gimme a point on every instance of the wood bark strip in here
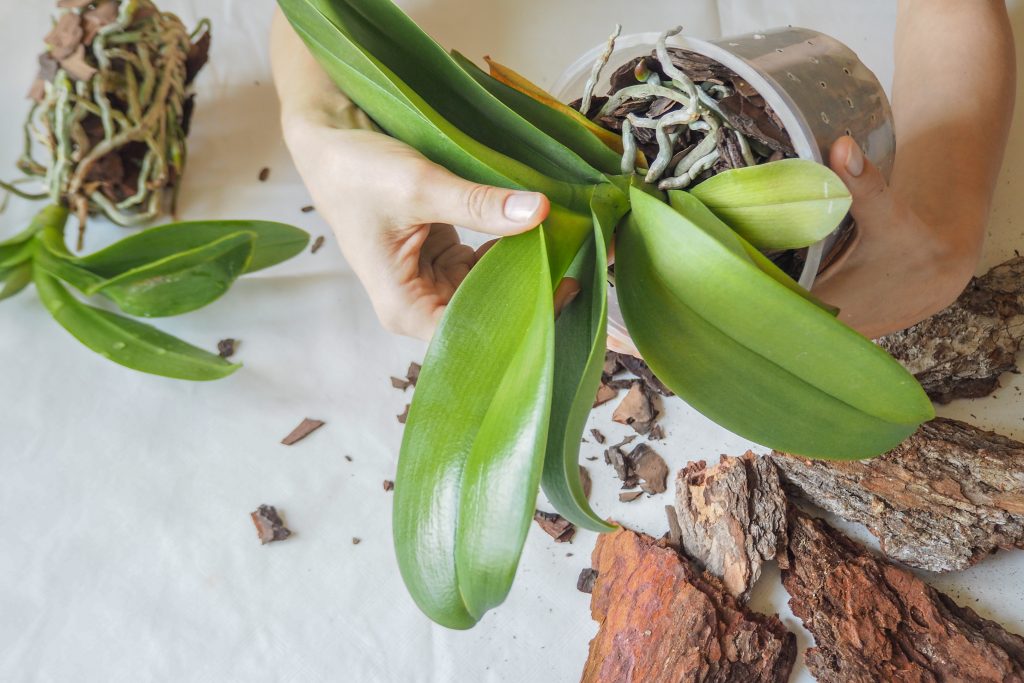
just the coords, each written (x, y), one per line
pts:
(961, 352)
(874, 621)
(732, 518)
(942, 500)
(662, 621)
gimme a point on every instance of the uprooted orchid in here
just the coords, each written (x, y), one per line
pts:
(506, 387)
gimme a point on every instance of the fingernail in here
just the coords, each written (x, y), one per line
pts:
(854, 160)
(520, 206)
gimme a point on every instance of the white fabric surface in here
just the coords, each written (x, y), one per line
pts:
(126, 549)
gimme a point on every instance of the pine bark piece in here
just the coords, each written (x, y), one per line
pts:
(637, 409)
(942, 500)
(555, 525)
(663, 621)
(269, 525)
(961, 352)
(304, 429)
(875, 621)
(732, 518)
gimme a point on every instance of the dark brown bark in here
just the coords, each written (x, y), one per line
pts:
(874, 621)
(662, 621)
(961, 351)
(942, 500)
(732, 518)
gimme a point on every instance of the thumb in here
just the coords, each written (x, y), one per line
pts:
(444, 197)
(866, 183)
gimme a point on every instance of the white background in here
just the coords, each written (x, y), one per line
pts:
(126, 549)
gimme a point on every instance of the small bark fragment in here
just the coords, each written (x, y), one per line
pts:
(644, 372)
(629, 496)
(269, 526)
(66, 36)
(309, 208)
(398, 383)
(585, 480)
(404, 415)
(942, 500)
(317, 244)
(637, 409)
(413, 373)
(662, 620)
(598, 436)
(875, 621)
(554, 525)
(264, 174)
(650, 468)
(605, 393)
(732, 518)
(585, 583)
(305, 428)
(961, 352)
(227, 347)
(389, 485)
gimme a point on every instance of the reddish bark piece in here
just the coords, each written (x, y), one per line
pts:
(74, 4)
(398, 383)
(103, 14)
(650, 468)
(389, 485)
(65, 36)
(404, 415)
(629, 496)
(585, 481)
(942, 500)
(961, 352)
(605, 393)
(732, 518)
(269, 526)
(305, 428)
(636, 409)
(875, 621)
(555, 526)
(661, 620)
(77, 67)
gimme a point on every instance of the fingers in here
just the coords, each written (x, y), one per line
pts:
(867, 185)
(442, 197)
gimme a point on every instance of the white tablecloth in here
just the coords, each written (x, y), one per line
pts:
(126, 549)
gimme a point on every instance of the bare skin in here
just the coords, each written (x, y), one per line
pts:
(917, 245)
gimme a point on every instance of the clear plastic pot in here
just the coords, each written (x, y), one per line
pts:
(816, 85)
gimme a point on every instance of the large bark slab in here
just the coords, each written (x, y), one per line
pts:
(961, 351)
(942, 500)
(662, 621)
(732, 518)
(874, 621)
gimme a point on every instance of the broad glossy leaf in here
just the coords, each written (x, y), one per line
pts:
(13, 254)
(386, 32)
(273, 243)
(785, 204)
(182, 282)
(407, 116)
(567, 129)
(762, 261)
(744, 350)
(127, 342)
(580, 338)
(517, 81)
(473, 447)
(15, 279)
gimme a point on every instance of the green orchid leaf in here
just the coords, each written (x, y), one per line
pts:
(580, 338)
(13, 254)
(472, 452)
(740, 348)
(15, 279)
(127, 342)
(273, 243)
(182, 282)
(405, 115)
(761, 261)
(385, 31)
(785, 204)
(556, 123)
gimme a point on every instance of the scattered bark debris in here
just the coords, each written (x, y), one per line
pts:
(942, 500)
(875, 621)
(605, 393)
(348, 458)
(305, 428)
(598, 436)
(650, 468)
(399, 383)
(555, 526)
(961, 352)
(404, 415)
(646, 375)
(356, 541)
(585, 583)
(264, 174)
(585, 481)
(227, 347)
(317, 243)
(269, 526)
(413, 373)
(732, 518)
(389, 485)
(674, 537)
(657, 433)
(629, 496)
(309, 208)
(637, 409)
(662, 620)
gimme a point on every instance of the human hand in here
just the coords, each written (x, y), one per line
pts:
(392, 211)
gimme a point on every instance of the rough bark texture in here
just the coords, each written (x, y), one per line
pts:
(732, 518)
(662, 621)
(942, 500)
(874, 621)
(961, 351)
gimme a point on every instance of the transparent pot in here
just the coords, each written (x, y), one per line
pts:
(816, 85)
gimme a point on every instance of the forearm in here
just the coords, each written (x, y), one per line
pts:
(953, 99)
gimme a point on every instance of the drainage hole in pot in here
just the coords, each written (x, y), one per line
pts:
(848, 133)
(873, 117)
(810, 42)
(823, 84)
(849, 101)
(792, 76)
(815, 60)
(825, 118)
(778, 49)
(846, 70)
